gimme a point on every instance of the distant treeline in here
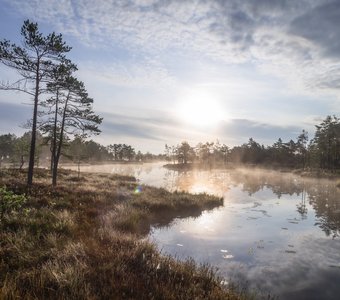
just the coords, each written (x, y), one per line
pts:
(322, 151)
(14, 151)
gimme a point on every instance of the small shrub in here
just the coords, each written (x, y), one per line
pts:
(10, 202)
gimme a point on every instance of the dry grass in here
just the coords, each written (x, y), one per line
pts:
(81, 240)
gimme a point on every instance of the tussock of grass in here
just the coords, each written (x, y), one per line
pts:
(81, 240)
(164, 206)
(125, 178)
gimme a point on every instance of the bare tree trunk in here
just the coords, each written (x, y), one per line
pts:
(34, 129)
(78, 168)
(58, 152)
(22, 162)
(51, 163)
(54, 138)
(55, 172)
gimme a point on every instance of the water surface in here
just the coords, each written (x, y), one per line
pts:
(276, 232)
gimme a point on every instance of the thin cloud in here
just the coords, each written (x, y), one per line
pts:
(244, 129)
(12, 115)
(137, 74)
(303, 33)
(320, 26)
(128, 130)
(153, 127)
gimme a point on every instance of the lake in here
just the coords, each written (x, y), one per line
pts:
(276, 232)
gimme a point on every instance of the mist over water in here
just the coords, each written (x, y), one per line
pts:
(277, 232)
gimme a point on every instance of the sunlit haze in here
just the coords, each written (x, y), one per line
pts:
(161, 72)
(201, 109)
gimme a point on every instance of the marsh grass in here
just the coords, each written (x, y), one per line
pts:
(82, 240)
(338, 183)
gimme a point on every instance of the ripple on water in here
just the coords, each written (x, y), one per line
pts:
(290, 251)
(270, 253)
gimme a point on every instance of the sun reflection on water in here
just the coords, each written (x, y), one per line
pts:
(198, 188)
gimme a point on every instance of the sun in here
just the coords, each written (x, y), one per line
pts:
(200, 109)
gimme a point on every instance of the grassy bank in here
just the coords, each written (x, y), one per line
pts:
(81, 240)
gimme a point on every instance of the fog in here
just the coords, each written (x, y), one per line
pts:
(276, 231)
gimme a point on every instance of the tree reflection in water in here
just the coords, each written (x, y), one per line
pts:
(302, 207)
(322, 195)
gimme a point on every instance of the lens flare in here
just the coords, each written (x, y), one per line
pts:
(138, 189)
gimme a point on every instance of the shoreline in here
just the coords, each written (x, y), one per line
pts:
(310, 173)
(83, 239)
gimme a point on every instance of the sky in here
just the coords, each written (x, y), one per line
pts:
(165, 71)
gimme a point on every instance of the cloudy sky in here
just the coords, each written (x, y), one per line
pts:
(163, 71)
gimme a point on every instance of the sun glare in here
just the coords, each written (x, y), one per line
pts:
(200, 109)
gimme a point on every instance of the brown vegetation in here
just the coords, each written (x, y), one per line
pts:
(82, 240)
